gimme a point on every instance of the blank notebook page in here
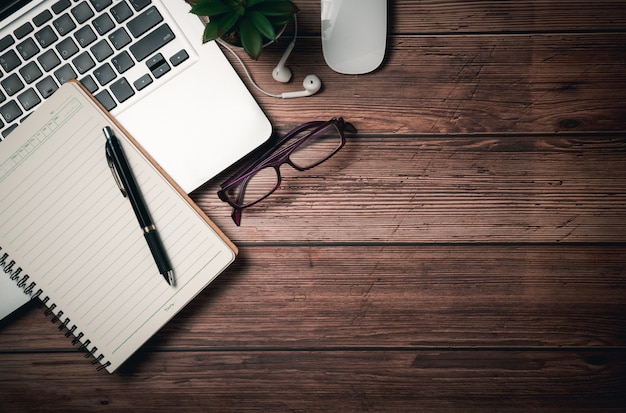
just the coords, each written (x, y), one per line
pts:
(64, 220)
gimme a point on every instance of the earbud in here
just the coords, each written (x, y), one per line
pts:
(281, 73)
(312, 84)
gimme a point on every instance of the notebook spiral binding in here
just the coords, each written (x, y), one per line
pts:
(9, 268)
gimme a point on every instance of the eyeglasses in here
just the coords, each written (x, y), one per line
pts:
(303, 148)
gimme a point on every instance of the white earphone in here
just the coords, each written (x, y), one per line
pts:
(312, 84)
(281, 73)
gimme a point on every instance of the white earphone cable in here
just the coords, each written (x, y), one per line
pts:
(245, 69)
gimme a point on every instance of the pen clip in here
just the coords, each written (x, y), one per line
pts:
(116, 175)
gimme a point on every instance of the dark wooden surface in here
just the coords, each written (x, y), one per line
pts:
(465, 251)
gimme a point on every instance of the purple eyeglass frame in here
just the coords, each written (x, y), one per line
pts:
(275, 159)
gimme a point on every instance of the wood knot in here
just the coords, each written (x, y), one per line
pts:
(570, 124)
(596, 360)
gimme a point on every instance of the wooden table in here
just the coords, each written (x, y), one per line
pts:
(465, 251)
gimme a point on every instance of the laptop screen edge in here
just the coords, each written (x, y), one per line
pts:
(8, 7)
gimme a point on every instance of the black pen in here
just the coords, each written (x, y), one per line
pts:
(125, 180)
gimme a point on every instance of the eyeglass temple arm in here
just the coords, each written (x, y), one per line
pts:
(236, 216)
(258, 160)
(244, 175)
(237, 211)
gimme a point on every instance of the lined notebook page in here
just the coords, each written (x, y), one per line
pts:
(65, 221)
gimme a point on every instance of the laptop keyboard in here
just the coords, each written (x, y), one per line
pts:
(94, 41)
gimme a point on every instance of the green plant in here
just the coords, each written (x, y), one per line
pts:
(246, 23)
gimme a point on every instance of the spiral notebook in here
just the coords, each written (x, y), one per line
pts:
(69, 237)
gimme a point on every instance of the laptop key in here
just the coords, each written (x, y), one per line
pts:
(12, 84)
(82, 12)
(24, 117)
(103, 24)
(61, 5)
(122, 62)
(31, 72)
(89, 83)
(144, 22)
(42, 18)
(100, 5)
(119, 38)
(83, 62)
(23, 30)
(139, 4)
(158, 65)
(27, 49)
(85, 36)
(9, 61)
(106, 100)
(104, 74)
(8, 130)
(64, 24)
(46, 37)
(47, 86)
(161, 70)
(101, 50)
(29, 99)
(152, 42)
(142, 82)
(121, 12)
(179, 57)
(5, 42)
(10, 111)
(65, 73)
(122, 90)
(67, 48)
(49, 60)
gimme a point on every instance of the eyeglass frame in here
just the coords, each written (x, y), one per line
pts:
(275, 157)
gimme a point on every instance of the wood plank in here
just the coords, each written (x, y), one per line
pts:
(564, 188)
(338, 381)
(491, 16)
(462, 84)
(484, 16)
(393, 296)
(465, 252)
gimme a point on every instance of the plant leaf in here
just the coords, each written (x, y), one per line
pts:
(252, 3)
(226, 22)
(210, 32)
(219, 25)
(280, 21)
(210, 8)
(263, 25)
(251, 38)
(276, 7)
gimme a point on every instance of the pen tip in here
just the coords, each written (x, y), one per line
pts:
(170, 277)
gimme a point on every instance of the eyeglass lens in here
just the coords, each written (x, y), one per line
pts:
(317, 149)
(310, 152)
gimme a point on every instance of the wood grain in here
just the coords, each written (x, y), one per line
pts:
(542, 83)
(487, 16)
(396, 296)
(322, 381)
(465, 250)
(446, 189)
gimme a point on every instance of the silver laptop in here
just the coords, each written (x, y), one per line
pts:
(145, 62)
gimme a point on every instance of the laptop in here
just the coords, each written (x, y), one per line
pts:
(145, 62)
